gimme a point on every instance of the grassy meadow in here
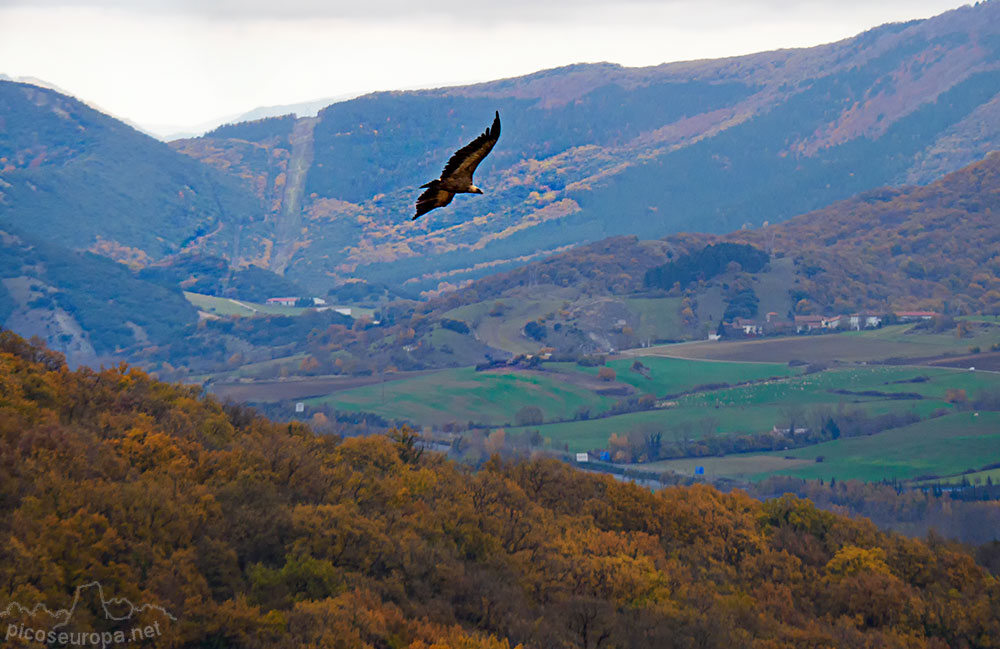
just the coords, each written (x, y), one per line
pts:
(757, 407)
(462, 395)
(222, 306)
(941, 446)
(876, 345)
(698, 398)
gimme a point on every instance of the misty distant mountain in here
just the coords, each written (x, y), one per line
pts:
(590, 151)
(168, 132)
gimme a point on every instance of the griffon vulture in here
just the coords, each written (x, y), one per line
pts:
(457, 175)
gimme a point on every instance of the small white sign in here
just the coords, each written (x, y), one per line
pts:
(300, 407)
(582, 457)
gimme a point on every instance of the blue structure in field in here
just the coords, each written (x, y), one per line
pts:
(605, 456)
(699, 470)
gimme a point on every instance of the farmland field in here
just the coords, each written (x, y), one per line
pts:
(268, 369)
(988, 361)
(672, 375)
(774, 395)
(463, 394)
(975, 478)
(941, 446)
(811, 349)
(219, 305)
(898, 341)
(222, 306)
(929, 343)
(757, 407)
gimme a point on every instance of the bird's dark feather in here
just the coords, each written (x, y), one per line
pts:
(433, 198)
(466, 159)
(457, 174)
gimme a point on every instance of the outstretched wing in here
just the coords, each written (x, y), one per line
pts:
(463, 164)
(433, 198)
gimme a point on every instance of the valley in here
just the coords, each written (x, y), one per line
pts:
(708, 404)
(712, 361)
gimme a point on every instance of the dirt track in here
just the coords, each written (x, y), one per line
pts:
(988, 361)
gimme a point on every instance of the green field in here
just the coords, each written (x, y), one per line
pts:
(816, 388)
(463, 394)
(268, 369)
(897, 341)
(776, 393)
(579, 436)
(991, 319)
(975, 477)
(560, 390)
(673, 375)
(758, 407)
(693, 420)
(222, 306)
(770, 287)
(927, 343)
(657, 318)
(942, 446)
(219, 305)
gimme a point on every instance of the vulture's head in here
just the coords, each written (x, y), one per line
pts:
(475, 190)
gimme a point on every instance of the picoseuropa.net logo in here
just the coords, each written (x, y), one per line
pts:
(116, 620)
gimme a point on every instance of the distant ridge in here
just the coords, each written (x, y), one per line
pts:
(168, 132)
(598, 150)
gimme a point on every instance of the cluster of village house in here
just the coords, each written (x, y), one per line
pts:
(774, 324)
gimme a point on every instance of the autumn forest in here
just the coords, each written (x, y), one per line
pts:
(253, 533)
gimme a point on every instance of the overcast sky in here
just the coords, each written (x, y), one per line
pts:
(184, 62)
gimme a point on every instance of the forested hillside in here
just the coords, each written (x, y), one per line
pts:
(593, 151)
(79, 178)
(932, 247)
(252, 533)
(90, 306)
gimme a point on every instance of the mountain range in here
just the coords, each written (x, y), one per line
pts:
(588, 152)
(591, 151)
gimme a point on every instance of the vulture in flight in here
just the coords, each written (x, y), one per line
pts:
(457, 175)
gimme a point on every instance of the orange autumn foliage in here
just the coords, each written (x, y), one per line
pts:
(254, 533)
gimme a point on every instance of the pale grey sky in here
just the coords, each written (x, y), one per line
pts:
(184, 62)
